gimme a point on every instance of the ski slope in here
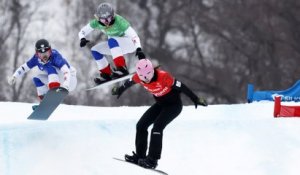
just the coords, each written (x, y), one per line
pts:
(240, 139)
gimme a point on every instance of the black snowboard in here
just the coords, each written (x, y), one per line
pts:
(105, 84)
(155, 170)
(113, 81)
(49, 103)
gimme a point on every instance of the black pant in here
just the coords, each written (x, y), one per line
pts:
(160, 115)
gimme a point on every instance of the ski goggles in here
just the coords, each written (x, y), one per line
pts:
(43, 49)
(106, 21)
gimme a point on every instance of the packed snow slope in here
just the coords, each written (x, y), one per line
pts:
(240, 139)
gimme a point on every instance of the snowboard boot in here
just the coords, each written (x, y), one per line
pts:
(133, 159)
(102, 79)
(34, 107)
(148, 162)
(120, 72)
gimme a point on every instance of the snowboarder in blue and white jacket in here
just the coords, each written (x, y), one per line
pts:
(53, 70)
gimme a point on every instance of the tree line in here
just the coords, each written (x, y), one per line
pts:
(216, 47)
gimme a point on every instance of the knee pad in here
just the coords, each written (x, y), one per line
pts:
(112, 43)
(40, 86)
(37, 82)
(97, 55)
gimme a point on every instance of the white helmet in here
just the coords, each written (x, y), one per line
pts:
(105, 13)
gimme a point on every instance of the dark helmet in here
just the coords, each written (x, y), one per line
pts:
(42, 46)
(104, 11)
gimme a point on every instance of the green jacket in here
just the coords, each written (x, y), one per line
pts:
(117, 29)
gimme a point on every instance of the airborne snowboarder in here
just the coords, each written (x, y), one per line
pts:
(122, 39)
(53, 70)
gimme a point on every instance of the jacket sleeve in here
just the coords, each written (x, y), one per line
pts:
(183, 88)
(32, 62)
(67, 76)
(21, 70)
(131, 33)
(85, 31)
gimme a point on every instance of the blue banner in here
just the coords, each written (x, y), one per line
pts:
(290, 94)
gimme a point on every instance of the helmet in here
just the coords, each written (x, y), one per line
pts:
(42, 46)
(43, 50)
(145, 70)
(105, 13)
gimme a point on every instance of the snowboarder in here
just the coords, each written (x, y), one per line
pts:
(53, 70)
(122, 39)
(166, 91)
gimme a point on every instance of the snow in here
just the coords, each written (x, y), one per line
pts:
(238, 139)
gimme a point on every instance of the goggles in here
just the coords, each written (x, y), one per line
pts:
(43, 49)
(106, 21)
(44, 56)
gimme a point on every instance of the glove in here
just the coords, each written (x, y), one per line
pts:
(83, 42)
(140, 54)
(11, 80)
(200, 101)
(117, 91)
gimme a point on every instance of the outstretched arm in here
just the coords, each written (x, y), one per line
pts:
(131, 33)
(183, 88)
(83, 33)
(119, 90)
(18, 73)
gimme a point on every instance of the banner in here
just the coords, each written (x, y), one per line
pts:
(285, 111)
(291, 94)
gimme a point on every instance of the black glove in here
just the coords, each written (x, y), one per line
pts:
(83, 42)
(117, 91)
(200, 101)
(140, 54)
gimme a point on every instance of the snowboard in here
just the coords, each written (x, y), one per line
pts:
(110, 82)
(113, 81)
(155, 170)
(49, 103)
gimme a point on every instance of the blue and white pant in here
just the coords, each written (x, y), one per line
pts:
(114, 46)
(43, 80)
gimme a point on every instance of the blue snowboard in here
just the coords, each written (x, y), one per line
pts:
(49, 103)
